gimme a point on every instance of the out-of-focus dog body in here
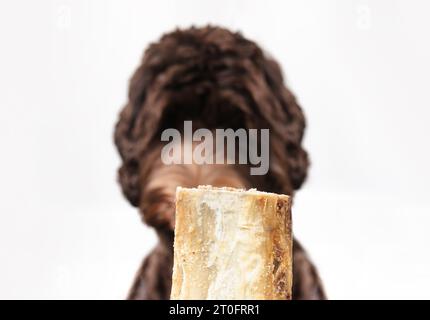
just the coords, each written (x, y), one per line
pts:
(217, 79)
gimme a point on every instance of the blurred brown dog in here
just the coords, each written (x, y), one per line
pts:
(217, 79)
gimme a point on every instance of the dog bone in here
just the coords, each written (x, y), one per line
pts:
(232, 244)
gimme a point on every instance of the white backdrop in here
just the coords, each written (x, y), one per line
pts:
(360, 69)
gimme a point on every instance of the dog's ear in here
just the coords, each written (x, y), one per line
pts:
(290, 126)
(126, 136)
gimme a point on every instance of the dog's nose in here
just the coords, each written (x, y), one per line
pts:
(160, 191)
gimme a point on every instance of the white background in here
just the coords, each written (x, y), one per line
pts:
(360, 69)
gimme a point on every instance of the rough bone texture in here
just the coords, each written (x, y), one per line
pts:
(232, 244)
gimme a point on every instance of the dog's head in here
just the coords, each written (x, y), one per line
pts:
(217, 79)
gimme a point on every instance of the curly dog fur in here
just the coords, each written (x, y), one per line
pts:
(217, 79)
